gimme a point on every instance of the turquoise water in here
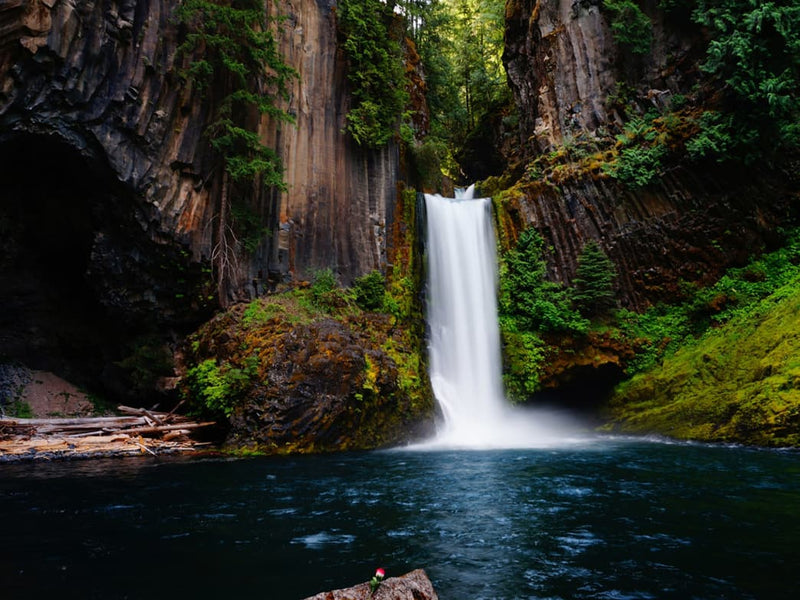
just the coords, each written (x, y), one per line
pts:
(615, 519)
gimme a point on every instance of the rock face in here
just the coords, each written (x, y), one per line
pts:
(690, 224)
(411, 586)
(305, 382)
(340, 198)
(100, 80)
(109, 203)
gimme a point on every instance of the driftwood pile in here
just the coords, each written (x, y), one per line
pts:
(138, 431)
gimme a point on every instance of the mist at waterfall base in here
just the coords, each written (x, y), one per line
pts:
(464, 336)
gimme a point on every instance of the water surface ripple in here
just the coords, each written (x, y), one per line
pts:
(617, 520)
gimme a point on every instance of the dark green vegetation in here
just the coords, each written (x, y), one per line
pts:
(231, 55)
(536, 313)
(594, 281)
(630, 25)
(371, 38)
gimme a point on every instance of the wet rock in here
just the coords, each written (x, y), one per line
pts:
(411, 586)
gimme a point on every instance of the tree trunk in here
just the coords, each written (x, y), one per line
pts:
(223, 250)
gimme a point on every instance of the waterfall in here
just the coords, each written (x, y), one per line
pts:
(464, 343)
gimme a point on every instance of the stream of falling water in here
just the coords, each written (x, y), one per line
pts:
(464, 346)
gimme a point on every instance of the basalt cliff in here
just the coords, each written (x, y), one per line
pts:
(109, 196)
(575, 87)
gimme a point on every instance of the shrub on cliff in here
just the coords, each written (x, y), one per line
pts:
(755, 53)
(629, 25)
(593, 287)
(527, 297)
(370, 290)
(375, 70)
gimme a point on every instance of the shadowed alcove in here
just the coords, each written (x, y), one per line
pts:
(52, 318)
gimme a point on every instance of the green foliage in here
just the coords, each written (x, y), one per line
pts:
(215, 389)
(717, 137)
(665, 328)
(248, 224)
(375, 70)
(370, 290)
(460, 43)
(593, 292)
(629, 25)
(643, 150)
(326, 295)
(258, 312)
(755, 53)
(18, 409)
(232, 47)
(527, 298)
(524, 354)
(639, 165)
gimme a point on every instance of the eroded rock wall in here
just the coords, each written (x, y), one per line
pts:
(100, 77)
(567, 73)
(339, 197)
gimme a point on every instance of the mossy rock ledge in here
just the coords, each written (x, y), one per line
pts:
(299, 382)
(739, 383)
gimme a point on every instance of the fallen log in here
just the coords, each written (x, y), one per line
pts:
(159, 418)
(164, 428)
(83, 421)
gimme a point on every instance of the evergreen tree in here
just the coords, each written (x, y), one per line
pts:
(593, 292)
(232, 55)
(527, 298)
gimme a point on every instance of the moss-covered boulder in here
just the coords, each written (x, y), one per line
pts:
(287, 378)
(738, 383)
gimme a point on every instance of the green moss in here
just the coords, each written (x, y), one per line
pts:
(19, 409)
(737, 383)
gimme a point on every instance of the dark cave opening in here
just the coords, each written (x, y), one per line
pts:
(583, 392)
(52, 319)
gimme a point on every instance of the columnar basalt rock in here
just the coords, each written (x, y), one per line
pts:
(110, 193)
(102, 79)
(689, 224)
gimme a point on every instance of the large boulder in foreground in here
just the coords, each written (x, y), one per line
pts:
(411, 586)
(292, 379)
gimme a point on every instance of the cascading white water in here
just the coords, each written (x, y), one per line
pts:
(465, 359)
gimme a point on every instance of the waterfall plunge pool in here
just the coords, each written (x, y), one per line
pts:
(614, 518)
